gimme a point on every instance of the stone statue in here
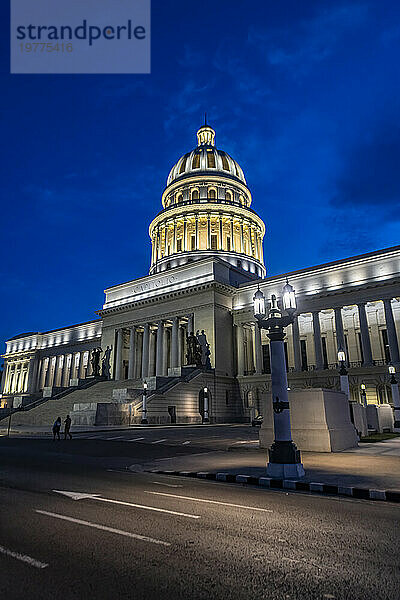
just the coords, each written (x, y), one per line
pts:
(193, 355)
(105, 363)
(204, 348)
(95, 361)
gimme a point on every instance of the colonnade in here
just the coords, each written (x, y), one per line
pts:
(207, 230)
(153, 347)
(364, 351)
(33, 374)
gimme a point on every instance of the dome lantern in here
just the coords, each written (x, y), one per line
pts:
(206, 136)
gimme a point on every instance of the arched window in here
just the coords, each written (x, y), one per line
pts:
(228, 195)
(196, 161)
(210, 159)
(225, 164)
(212, 193)
(183, 165)
(241, 200)
(195, 194)
(179, 198)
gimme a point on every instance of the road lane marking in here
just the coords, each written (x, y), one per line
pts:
(136, 536)
(83, 495)
(173, 485)
(159, 441)
(210, 501)
(135, 439)
(23, 558)
(186, 443)
(118, 437)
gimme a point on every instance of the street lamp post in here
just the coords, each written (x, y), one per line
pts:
(363, 394)
(206, 418)
(395, 396)
(144, 420)
(284, 457)
(344, 376)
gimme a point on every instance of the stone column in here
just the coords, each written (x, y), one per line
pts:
(391, 331)
(160, 349)
(190, 327)
(4, 378)
(64, 382)
(132, 348)
(240, 349)
(175, 343)
(32, 375)
(78, 364)
(174, 240)
(184, 245)
(365, 339)
(145, 351)
(232, 236)
(208, 232)
(339, 330)
(118, 355)
(72, 368)
(197, 231)
(221, 241)
(296, 344)
(241, 236)
(48, 373)
(258, 350)
(319, 362)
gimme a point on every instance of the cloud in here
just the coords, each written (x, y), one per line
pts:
(300, 46)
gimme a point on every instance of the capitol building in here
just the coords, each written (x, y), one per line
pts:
(206, 264)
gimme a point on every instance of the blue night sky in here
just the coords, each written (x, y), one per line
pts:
(305, 95)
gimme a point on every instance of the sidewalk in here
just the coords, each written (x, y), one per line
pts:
(372, 466)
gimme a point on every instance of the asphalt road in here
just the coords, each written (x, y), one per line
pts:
(152, 536)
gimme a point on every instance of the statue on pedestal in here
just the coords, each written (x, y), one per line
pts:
(204, 348)
(105, 363)
(95, 361)
(193, 355)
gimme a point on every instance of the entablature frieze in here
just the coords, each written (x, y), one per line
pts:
(165, 297)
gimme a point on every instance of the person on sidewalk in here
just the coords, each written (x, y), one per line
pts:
(67, 427)
(56, 428)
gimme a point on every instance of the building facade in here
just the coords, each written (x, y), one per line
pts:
(206, 264)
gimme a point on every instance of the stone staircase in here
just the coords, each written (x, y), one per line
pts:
(46, 412)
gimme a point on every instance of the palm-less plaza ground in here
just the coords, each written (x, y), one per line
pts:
(139, 534)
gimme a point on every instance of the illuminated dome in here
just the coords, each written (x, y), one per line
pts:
(207, 213)
(206, 158)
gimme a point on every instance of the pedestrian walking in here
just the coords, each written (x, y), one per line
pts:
(56, 428)
(67, 427)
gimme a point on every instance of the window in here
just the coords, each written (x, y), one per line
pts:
(266, 358)
(228, 196)
(228, 243)
(193, 242)
(212, 193)
(169, 250)
(286, 355)
(183, 165)
(360, 347)
(179, 245)
(210, 159)
(303, 350)
(324, 353)
(225, 164)
(213, 242)
(195, 195)
(241, 200)
(196, 161)
(385, 342)
(179, 198)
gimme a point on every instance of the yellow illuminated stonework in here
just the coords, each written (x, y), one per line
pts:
(206, 212)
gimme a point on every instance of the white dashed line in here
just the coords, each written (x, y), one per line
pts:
(23, 558)
(210, 501)
(167, 484)
(136, 536)
(159, 441)
(186, 443)
(135, 440)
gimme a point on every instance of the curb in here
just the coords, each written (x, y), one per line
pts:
(288, 484)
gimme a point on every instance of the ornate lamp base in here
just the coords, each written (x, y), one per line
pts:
(284, 461)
